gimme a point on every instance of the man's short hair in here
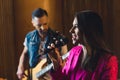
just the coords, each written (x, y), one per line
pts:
(39, 12)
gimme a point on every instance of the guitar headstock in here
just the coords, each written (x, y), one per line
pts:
(57, 40)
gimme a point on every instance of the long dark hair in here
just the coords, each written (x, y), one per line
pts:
(91, 27)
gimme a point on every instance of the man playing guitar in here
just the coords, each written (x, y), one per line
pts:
(36, 44)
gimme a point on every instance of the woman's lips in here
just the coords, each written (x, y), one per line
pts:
(73, 37)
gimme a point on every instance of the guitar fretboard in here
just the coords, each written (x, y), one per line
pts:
(47, 68)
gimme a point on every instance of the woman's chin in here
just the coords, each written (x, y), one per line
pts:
(74, 42)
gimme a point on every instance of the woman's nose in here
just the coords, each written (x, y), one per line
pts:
(71, 30)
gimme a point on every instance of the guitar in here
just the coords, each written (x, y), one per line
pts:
(35, 70)
(47, 68)
(39, 71)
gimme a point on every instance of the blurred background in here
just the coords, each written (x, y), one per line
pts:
(15, 23)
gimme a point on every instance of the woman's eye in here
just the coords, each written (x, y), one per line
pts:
(75, 25)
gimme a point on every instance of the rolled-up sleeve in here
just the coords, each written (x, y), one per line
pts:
(25, 42)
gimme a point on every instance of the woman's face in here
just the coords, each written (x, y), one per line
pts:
(75, 32)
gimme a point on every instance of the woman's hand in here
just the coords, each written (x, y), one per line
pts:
(55, 57)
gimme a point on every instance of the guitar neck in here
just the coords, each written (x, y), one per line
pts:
(49, 66)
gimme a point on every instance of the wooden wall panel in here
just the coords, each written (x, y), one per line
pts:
(7, 68)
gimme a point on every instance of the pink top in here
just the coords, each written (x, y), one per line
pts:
(107, 68)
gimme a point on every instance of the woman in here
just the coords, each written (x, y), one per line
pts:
(90, 59)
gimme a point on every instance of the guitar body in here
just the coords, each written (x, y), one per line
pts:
(36, 69)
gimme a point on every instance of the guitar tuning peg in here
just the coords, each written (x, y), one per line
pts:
(56, 42)
(61, 40)
(49, 47)
(54, 38)
(52, 45)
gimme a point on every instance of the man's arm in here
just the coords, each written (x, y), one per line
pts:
(20, 71)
